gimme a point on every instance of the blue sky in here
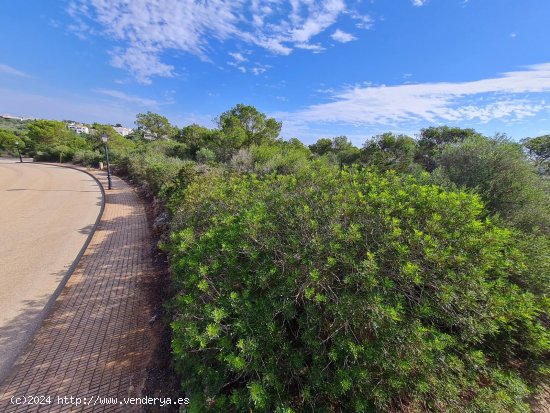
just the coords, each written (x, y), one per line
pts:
(325, 68)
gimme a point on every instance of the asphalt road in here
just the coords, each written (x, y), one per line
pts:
(46, 214)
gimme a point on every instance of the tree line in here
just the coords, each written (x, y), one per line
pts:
(407, 275)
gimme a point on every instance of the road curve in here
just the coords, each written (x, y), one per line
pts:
(46, 215)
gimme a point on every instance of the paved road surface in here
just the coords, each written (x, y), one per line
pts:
(96, 341)
(46, 214)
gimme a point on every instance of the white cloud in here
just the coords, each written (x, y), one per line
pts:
(318, 19)
(148, 28)
(242, 64)
(143, 63)
(364, 21)
(259, 69)
(238, 57)
(511, 95)
(117, 94)
(342, 37)
(315, 48)
(238, 66)
(10, 71)
(419, 3)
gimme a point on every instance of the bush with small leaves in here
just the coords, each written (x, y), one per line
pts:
(88, 157)
(205, 155)
(157, 171)
(350, 291)
(500, 172)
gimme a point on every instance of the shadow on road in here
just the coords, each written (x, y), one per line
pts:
(16, 333)
(96, 339)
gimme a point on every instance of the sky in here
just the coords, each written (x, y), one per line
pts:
(324, 68)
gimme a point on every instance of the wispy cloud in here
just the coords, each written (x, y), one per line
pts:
(512, 95)
(10, 71)
(259, 69)
(419, 3)
(142, 63)
(241, 63)
(148, 28)
(342, 37)
(238, 57)
(238, 66)
(117, 94)
(363, 21)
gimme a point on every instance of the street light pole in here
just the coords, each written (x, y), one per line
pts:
(18, 151)
(104, 139)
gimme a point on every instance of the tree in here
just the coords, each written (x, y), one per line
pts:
(48, 132)
(154, 126)
(226, 144)
(50, 140)
(389, 151)
(8, 139)
(341, 143)
(344, 151)
(433, 139)
(249, 125)
(339, 150)
(195, 137)
(539, 150)
(136, 135)
(348, 156)
(117, 144)
(205, 155)
(295, 143)
(500, 172)
(322, 146)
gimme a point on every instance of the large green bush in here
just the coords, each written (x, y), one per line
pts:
(88, 157)
(169, 148)
(350, 292)
(160, 173)
(281, 158)
(55, 153)
(500, 172)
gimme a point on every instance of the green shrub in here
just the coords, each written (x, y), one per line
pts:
(56, 153)
(434, 139)
(158, 171)
(205, 155)
(88, 157)
(349, 292)
(507, 182)
(280, 158)
(169, 148)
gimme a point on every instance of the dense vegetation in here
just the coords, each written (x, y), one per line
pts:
(406, 275)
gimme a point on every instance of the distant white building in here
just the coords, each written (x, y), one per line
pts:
(122, 130)
(20, 118)
(78, 128)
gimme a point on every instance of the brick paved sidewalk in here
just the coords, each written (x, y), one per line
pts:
(96, 341)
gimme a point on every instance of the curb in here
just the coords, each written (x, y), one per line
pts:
(37, 323)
